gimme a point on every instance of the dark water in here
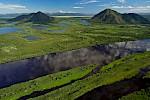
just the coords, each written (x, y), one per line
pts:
(85, 23)
(6, 30)
(24, 70)
(56, 31)
(39, 27)
(31, 37)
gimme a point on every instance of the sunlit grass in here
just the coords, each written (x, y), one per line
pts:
(76, 36)
(124, 68)
(46, 82)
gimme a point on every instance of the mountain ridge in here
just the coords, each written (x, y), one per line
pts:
(38, 17)
(109, 16)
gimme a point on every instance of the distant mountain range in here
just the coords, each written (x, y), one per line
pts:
(38, 17)
(147, 16)
(50, 14)
(69, 14)
(109, 16)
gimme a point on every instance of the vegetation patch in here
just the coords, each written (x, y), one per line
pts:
(139, 95)
(8, 49)
(47, 82)
(75, 36)
(124, 68)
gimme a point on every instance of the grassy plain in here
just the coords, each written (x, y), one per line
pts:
(75, 36)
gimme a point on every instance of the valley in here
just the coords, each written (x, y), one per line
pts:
(66, 32)
(41, 57)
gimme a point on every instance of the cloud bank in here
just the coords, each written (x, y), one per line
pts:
(87, 1)
(78, 7)
(11, 6)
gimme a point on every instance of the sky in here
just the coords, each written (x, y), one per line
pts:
(74, 6)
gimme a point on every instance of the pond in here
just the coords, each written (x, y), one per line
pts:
(6, 30)
(40, 27)
(24, 70)
(63, 24)
(85, 23)
(31, 37)
(56, 31)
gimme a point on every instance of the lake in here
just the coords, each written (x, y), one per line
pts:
(6, 30)
(39, 27)
(56, 31)
(31, 37)
(24, 70)
(85, 23)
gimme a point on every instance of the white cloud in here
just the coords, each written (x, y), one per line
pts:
(61, 11)
(122, 1)
(78, 7)
(87, 1)
(12, 6)
(133, 8)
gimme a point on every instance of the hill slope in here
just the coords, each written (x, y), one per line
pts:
(38, 17)
(109, 16)
(135, 18)
(147, 17)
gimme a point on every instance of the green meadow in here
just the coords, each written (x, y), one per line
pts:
(66, 34)
(14, 46)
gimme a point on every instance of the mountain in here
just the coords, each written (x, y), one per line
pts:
(38, 17)
(10, 15)
(135, 19)
(109, 16)
(147, 16)
(49, 14)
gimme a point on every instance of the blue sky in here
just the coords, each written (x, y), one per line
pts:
(80, 6)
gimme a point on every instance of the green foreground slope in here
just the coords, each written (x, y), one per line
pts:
(47, 82)
(124, 68)
(144, 94)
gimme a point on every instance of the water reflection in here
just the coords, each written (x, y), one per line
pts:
(19, 71)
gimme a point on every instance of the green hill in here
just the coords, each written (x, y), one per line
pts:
(38, 17)
(147, 16)
(135, 18)
(109, 16)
